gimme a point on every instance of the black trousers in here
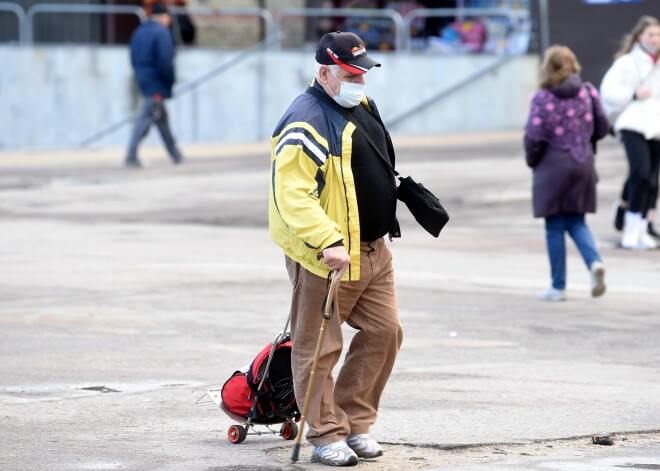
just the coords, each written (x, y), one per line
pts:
(641, 188)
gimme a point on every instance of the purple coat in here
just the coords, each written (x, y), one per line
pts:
(558, 147)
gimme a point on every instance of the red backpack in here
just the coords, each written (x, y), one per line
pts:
(275, 399)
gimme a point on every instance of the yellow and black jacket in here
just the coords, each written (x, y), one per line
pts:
(313, 202)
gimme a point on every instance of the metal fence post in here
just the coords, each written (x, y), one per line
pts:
(544, 25)
(20, 16)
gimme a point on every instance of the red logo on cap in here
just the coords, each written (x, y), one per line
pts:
(357, 51)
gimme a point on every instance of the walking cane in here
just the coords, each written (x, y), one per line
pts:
(327, 315)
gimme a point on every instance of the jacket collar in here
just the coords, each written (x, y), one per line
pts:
(643, 54)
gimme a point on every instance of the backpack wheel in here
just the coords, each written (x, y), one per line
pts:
(236, 434)
(289, 431)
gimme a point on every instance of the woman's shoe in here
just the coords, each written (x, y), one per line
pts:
(646, 242)
(631, 229)
(553, 294)
(597, 279)
(651, 231)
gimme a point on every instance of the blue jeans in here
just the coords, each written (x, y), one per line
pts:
(152, 112)
(574, 224)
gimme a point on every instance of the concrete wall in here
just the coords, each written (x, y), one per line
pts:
(59, 96)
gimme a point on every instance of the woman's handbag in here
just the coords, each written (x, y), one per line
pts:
(423, 204)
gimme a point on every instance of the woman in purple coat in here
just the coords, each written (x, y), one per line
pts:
(565, 119)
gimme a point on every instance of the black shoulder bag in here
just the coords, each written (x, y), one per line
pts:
(424, 205)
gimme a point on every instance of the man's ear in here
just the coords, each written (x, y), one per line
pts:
(324, 70)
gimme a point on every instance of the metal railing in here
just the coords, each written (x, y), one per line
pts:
(460, 14)
(80, 9)
(395, 17)
(261, 13)
(185, 88)
(272, 26)
(20, 16)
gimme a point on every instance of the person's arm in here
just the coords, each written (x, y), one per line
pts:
(164, 52)
(300, 159)
(533, 151)
(615, 90)
(133, 50)
(601, 122)
(533, 142)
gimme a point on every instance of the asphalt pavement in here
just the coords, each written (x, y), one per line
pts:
(127, 294)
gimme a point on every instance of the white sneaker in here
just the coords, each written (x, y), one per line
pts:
(630, 237)
(597, 279)
(553, 294)
(334, 454)
(364, 445)
(645, 241)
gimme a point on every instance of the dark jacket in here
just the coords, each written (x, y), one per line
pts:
(558, 147)
(152, 56)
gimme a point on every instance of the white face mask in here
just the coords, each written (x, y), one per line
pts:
(350, 94)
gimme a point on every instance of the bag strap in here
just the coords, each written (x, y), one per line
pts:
(344, 112)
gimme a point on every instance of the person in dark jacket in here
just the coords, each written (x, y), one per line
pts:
(565, 117)
(152, 57)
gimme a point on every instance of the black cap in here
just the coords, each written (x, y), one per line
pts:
(346, 50)
(158, 8)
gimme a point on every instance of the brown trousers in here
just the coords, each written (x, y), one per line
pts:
(369, 306)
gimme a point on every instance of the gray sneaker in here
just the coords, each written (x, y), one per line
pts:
(363, 445)
(334, 454)
(597, 279)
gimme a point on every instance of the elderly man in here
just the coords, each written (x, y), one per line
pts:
(332, 201)
(152, 57)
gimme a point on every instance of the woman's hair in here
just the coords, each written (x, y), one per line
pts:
(558, 63)
(631, 38)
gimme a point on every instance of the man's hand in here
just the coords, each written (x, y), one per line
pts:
(337, 259)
